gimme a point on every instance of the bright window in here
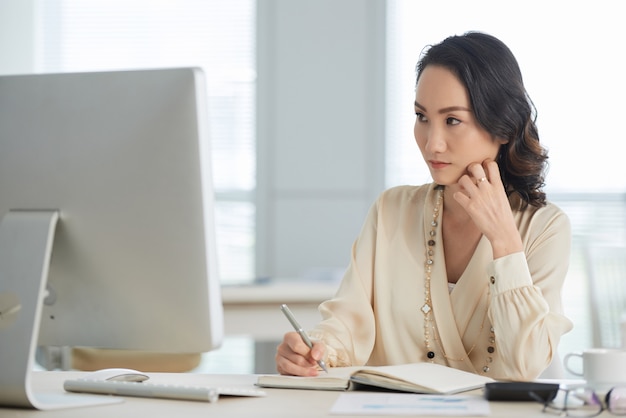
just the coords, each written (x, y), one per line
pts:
(570, 56)
(218, 36)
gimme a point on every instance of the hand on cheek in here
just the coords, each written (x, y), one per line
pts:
(483, 197)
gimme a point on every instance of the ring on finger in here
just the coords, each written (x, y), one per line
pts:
(480, 180)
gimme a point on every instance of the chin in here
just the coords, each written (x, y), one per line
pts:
(445, 180)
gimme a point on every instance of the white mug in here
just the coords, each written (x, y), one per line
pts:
(602, 367)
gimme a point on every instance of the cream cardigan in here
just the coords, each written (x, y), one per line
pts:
(375, 316)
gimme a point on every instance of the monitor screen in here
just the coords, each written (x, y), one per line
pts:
(124, 157)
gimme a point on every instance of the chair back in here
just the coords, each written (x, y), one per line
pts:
(606, 271)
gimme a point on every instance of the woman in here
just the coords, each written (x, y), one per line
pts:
(466, 271)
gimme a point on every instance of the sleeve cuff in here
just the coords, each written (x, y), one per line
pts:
(508, 272)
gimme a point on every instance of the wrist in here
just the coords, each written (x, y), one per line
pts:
(509, 245)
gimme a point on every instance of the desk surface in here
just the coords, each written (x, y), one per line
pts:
(278, 402)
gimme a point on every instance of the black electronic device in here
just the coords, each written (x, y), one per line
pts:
(521, 391)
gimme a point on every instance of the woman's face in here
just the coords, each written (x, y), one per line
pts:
(446, 130)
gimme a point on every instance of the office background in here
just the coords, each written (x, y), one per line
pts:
(309, 113)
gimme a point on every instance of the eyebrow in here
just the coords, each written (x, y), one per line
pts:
(446, 109)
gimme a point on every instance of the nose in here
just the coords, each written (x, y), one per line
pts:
(434, 140)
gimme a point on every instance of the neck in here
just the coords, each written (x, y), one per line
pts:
(451, 208)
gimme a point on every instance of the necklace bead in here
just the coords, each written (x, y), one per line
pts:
(427, 306)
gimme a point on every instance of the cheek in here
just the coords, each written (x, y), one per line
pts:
(495, 149)
(419, 135)
(479, 145)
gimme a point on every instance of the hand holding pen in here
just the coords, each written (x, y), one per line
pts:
(301, 332)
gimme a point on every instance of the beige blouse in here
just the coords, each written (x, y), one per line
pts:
(503, 318)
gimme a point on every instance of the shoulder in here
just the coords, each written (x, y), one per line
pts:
(403, 195)
(546, 221)
(548, 213)
(554, 217)
(395, 209)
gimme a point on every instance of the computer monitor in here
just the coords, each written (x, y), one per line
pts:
(123, 158)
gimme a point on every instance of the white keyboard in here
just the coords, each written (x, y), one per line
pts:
(153, 390)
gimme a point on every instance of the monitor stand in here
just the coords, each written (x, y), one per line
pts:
(26, 239)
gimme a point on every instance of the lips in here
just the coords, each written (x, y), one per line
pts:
(438, 164)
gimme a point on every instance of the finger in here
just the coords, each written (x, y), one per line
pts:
(294, 349)
(290, 362)
(478, 173)
(318, 350)
(467, 183)
(296, 345)
(285, 366)
(293, 343)
(461, 198)
(493, 172)
(475, 170)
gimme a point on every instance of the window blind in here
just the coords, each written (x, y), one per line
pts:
(587, 178)
(218, 36)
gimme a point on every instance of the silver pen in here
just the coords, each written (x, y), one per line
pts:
(300, 331)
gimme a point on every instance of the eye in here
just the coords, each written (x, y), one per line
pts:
(421, 117)
(452, 121)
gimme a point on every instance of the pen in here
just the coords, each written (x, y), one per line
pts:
(300, 331)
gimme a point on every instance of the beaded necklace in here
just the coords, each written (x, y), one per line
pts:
(429, 323)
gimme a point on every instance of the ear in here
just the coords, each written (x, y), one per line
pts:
(502, 141)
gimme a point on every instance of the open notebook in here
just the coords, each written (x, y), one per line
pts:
(415, 377)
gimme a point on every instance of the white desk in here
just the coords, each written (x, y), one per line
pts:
(288, 403)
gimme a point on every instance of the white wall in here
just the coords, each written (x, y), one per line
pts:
(17, 36)
(320, 123)
(320, 130)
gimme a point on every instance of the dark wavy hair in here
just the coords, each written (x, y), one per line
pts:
(501, 105)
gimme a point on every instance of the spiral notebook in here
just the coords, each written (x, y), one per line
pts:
(415, 377)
